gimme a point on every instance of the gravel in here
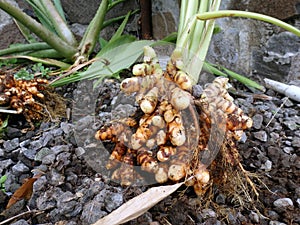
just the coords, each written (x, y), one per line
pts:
(73, 190)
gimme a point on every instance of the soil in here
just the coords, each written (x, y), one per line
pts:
(75, 188)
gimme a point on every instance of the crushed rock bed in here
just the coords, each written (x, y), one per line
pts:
(74, 191)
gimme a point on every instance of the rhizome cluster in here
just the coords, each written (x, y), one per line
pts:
(172, 140)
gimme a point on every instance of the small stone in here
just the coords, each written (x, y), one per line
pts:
(67, 127)
(261, 135)
(13, 132)
(254, 217)
(288, 150)
(257, 121)
(79, 151)
(48, 159)
(60, 148)
(298, 202)
(113, 201)
(296, 142)
(29, 153)
(92, 212)
(19, 168)
(46, 201)
(5, 164)
(220, 199)
(290, 124)
(208, 213)
(276, 223)
(36, 145)
(57, 132)
(197, 91)
(272, 215)
(11, 144)
(288, 103)
(267, 166)
(47, 138)
(56, 178)
(42, 153)
(1, 152)
(25, 143)
(20, 222)
(283, 203)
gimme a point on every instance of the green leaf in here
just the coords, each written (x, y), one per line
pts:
(121, 28)
(60, 10)
(124, 39)
(111, 62)
(3, 179)
(119, 58)
(102, 42)
(51, 62)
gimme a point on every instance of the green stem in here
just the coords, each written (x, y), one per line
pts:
(258, 16)
(46, 53)
(114, 3)
(58, 22)
(24, 48)
(196, 37)
(90, 37)
(116, 19)
(182, 17)
(55, 42)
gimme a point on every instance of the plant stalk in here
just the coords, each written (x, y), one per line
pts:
(90, 37)
(258, 16)
(58, 22)
(25, 48)
(55, 42)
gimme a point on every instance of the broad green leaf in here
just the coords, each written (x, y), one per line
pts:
(102, 42)
(118, 58)
(124, 39)
(111, 62)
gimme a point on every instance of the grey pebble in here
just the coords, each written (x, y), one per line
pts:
(254, 217)
(19, 168)
(92, 212)
(208, 213)
(257, 121)
(5, 164)
(42, 153)
(67, 128)
(20, 222)
(288, 150)
(56, 178)
(11, 144)
(36, 145)
(1, 152)
(57, 132)
(113, 201)
(296, 142)
(261, 135)
(272, 215)
(283, 203)
(29, 153)
(79, 151)
(276, 223)
(267, 166)
(48, 159)
(292, 125)
(47, 138)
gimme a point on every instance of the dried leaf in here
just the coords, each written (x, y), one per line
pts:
(138, 205)
(23, 192)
